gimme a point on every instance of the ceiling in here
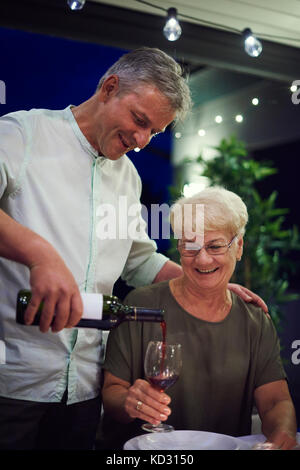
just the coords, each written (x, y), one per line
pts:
(265, 17)
(131, 24)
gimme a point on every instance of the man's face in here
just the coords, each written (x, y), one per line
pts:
(130, 120)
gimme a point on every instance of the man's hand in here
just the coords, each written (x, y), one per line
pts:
(53, 284)
(146, 403)
(248, 296)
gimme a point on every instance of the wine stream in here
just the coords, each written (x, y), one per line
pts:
(164, 335)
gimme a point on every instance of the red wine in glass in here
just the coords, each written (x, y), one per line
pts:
(161, 383)
(162, 366)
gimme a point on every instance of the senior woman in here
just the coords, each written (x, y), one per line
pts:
(231, 357)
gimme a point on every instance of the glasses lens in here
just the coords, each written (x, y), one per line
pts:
(216, 249)
(192, 249)
(188, 249)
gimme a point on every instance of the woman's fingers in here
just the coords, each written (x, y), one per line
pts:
(146, 403)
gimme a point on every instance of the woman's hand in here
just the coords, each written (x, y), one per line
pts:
(283, 440)
(277, 413)
(146, 403)
(248, 296)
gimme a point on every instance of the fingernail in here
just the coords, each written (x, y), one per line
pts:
(163, 416)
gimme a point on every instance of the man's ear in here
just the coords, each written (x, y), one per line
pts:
(109, 88)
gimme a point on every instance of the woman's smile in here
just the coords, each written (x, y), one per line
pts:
(206, 271)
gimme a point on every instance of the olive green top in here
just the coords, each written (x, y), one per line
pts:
(223, 362)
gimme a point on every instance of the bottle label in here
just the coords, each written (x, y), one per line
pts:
(92, 306)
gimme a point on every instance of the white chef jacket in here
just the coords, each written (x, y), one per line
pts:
(53, 181)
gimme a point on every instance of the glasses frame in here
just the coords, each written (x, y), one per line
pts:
(195, 253)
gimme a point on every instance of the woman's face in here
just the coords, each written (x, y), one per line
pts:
(210, 270)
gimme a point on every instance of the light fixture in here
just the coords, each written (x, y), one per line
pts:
(252, 45)
(172, 29)
(137, 149)
(239, 118)
(255, 101)
(178, 135)
(201, 132)
(293, 88)
(218, 119)
(76, 4)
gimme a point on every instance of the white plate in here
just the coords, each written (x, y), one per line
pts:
(185, 440)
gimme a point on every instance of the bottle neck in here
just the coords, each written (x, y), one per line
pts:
(144, 314)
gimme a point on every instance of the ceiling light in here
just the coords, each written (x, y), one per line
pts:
(137, 149)
(201, 132)
(255, 101)
(218, 119)
(252, 45)
(239, 118)
(178, 135)
(172, 29)
(293, 88)
(76, 4)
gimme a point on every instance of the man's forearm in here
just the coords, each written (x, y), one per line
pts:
(20, 244)
(51, 281)
(170, 270)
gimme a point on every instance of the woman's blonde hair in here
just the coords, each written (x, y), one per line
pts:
(223, 210)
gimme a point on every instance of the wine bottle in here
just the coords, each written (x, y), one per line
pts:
(103, 312)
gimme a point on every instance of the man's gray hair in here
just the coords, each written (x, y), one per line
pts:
(153, 67)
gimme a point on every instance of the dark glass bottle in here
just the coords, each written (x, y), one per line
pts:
(110, 312)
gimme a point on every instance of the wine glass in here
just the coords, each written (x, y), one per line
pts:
(162, 366)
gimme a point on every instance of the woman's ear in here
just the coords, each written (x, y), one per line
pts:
(239, 252)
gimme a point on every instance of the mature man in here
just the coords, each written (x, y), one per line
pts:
(56, 169)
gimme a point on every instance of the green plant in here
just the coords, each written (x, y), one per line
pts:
(265, 266)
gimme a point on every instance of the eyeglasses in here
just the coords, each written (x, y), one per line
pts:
(192, 249)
